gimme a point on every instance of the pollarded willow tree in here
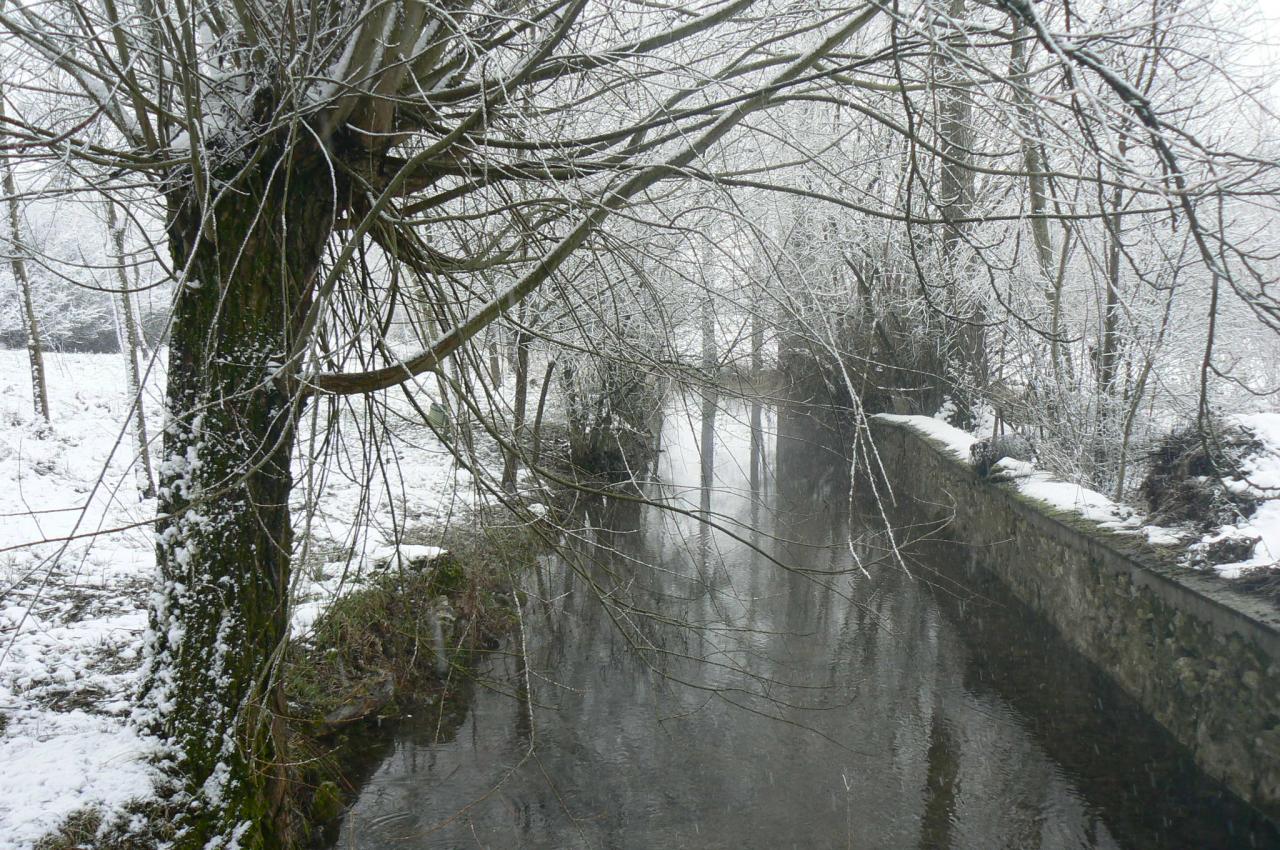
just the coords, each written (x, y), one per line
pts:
(286, 144)
(321, 169)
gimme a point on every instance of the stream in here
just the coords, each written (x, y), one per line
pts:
(780, 682)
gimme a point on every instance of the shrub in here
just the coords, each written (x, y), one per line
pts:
(1190, 475)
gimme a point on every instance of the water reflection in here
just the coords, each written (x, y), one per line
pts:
(686, 690)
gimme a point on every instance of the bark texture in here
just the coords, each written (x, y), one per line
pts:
(220, 619)
(130, 342)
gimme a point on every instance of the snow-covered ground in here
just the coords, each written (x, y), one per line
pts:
(1262, 478)
(77, 562)
(71, 610)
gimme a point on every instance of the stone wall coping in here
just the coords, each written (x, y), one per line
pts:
(1206, 597)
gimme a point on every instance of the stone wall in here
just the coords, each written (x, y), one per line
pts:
(1202, 659)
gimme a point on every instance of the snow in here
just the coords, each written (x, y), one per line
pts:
(1263, 469)
(1160, 536)
(1038, 485)
(386, 554)
(338, 578)
(1265, 524)
(359, 523)
(1008, 469)
(1089, 504)
(58, 762)
(73, 613)
(1262, 479)
(956, 440)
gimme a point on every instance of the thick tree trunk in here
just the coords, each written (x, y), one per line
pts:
(220, 619)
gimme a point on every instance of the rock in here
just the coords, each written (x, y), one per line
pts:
(986, 453)
(1185, 668)
(372, 695)
(1227, 545)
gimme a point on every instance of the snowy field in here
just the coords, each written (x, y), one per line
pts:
(72, 610)
(76, 566)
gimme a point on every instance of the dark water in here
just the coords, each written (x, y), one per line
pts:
(685, 691)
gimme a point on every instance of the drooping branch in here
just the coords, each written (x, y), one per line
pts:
(612, 200)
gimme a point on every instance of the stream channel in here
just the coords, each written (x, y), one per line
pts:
(685, 690)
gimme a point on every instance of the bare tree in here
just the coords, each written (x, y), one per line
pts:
(131, 348)
(286, 145)
(334, 174)
(18, 265)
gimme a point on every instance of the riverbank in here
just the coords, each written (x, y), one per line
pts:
(77, 564)
(1197, 655)
(408, 641)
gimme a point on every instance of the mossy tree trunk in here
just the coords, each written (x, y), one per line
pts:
(220, 620)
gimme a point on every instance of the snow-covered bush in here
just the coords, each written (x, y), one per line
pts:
(1190, 475)
(988, 452)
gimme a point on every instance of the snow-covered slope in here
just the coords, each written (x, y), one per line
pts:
(72, 609)
(77, 563)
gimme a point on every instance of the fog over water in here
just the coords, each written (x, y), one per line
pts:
(721, 697)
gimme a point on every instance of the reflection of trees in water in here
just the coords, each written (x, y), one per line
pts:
(813, 648)
(941, 787)
(1140, 785)
(812, 461)
(707, 467)
(701, 693)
